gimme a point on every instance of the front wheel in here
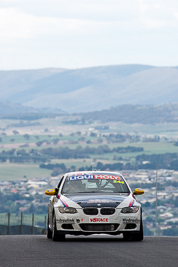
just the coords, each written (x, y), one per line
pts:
(138, 236)
(49, 232)
(55, 235)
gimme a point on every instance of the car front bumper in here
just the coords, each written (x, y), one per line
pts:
(80, 223)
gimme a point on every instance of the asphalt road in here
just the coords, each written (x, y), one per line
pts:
(98, 250)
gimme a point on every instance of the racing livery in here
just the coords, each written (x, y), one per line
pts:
(93, 202)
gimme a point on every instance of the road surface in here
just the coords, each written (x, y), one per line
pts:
(97, 250)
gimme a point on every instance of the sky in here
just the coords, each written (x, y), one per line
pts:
(86, 33)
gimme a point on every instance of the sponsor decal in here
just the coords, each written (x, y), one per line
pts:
(100, 201)
(133, 220)
(131, 202)
(81, 177)
(64, 203)
(96, 176)
(102, 176)
(65, 220)
(96, 220)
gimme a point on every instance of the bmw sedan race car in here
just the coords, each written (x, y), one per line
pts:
(94, 202)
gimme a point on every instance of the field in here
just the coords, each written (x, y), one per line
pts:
(12, 171)
(54, 133)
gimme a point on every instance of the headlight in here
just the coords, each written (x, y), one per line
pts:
(67, 210)
(130, 210)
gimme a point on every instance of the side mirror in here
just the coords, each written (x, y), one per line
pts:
(50, 192)
(138, 191)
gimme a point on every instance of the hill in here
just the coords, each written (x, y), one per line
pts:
(147, 114)
(10, 110)
(90, 89)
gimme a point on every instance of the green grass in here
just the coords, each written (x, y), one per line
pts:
(12, 171)
(155, 147)
(12, 139)
(164, 129)
(149, 147)
(20, 139)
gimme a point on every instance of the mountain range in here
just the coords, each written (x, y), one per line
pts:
(89, 89)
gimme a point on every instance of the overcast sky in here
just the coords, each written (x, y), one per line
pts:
(85, 33)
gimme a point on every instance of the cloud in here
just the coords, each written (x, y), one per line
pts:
(94, 10)
(28, 19)
(25, 19)
(67, 32)
(176, 15)
(78, 9)
(158, 14)
(14, 24)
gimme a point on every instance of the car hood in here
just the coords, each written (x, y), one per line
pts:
(97, 200)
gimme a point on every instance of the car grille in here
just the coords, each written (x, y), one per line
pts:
(90, 211)
(95, 211)
(99, 227)
(107, 211)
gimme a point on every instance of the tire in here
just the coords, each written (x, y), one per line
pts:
(55, 235)
(138, 236)
(127, 236)
(61, 237)
(49, 232)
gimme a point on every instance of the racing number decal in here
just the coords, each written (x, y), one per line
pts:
(118, 181)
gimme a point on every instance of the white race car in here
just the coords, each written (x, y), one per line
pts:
(94, 202)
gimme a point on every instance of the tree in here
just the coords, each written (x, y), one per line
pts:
(15, 132)
(26, 136)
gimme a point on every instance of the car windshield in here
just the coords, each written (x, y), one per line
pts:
(95, 183)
